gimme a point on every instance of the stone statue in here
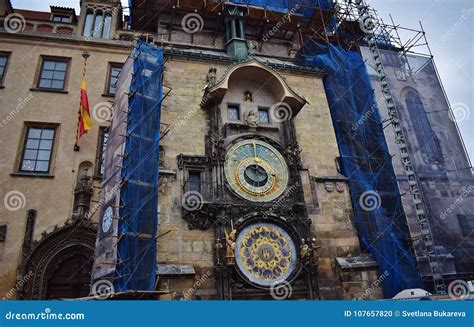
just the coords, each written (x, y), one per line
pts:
(305, 251)
(211, 76)
(314, 250)
(252, 119)
(230, 247)
(218, 247)
(252, 48)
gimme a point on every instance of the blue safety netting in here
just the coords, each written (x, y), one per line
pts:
(136, 249)
(305, 7)
(367, 163)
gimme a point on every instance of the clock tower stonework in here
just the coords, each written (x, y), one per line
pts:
(263, 211)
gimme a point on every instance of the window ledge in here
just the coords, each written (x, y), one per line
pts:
(36, 175)
(34, 89)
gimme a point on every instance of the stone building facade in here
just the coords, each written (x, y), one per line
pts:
(227, 92)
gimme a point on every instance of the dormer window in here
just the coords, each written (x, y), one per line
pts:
(61, 18)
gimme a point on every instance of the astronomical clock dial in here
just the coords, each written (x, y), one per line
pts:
(256, 171)
(265, 254)
(107, 219)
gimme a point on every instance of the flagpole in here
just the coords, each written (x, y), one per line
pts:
(85, 55)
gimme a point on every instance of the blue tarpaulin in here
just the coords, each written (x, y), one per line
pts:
(136, 269)
(367, 163)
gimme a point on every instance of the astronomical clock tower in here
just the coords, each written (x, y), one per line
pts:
(250, 191)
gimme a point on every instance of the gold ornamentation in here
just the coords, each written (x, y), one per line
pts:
(266, 253)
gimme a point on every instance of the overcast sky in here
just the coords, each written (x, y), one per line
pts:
(449, 25)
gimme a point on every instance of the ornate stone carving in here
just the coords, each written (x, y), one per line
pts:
(185, 160)
(82, 197)
(252, 119)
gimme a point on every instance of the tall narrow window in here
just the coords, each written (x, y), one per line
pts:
(238, 30)
(3, 66)
(107, 24)
(113, 78)
(37, 151)
(427, 142)
(194, 181)
(88, 24)
(233, 112)
(98, 25)
(103, 138)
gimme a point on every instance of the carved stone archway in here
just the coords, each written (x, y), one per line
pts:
(66, 249)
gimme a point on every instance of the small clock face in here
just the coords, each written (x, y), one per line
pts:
(107, 219)
(256, 171)
(265, 254)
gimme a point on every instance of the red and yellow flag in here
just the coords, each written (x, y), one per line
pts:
(85, 121)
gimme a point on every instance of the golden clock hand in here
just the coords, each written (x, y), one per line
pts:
(254, 151)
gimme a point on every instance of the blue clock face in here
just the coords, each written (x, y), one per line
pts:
(107, 219)
(256, 171)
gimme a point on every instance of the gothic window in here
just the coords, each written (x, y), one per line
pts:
(97, 24)
(107, 24)
(88, 23)
(37, 150)
(427, 141)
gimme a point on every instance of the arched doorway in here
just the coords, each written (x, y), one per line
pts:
(60, 264)
(70, 276)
